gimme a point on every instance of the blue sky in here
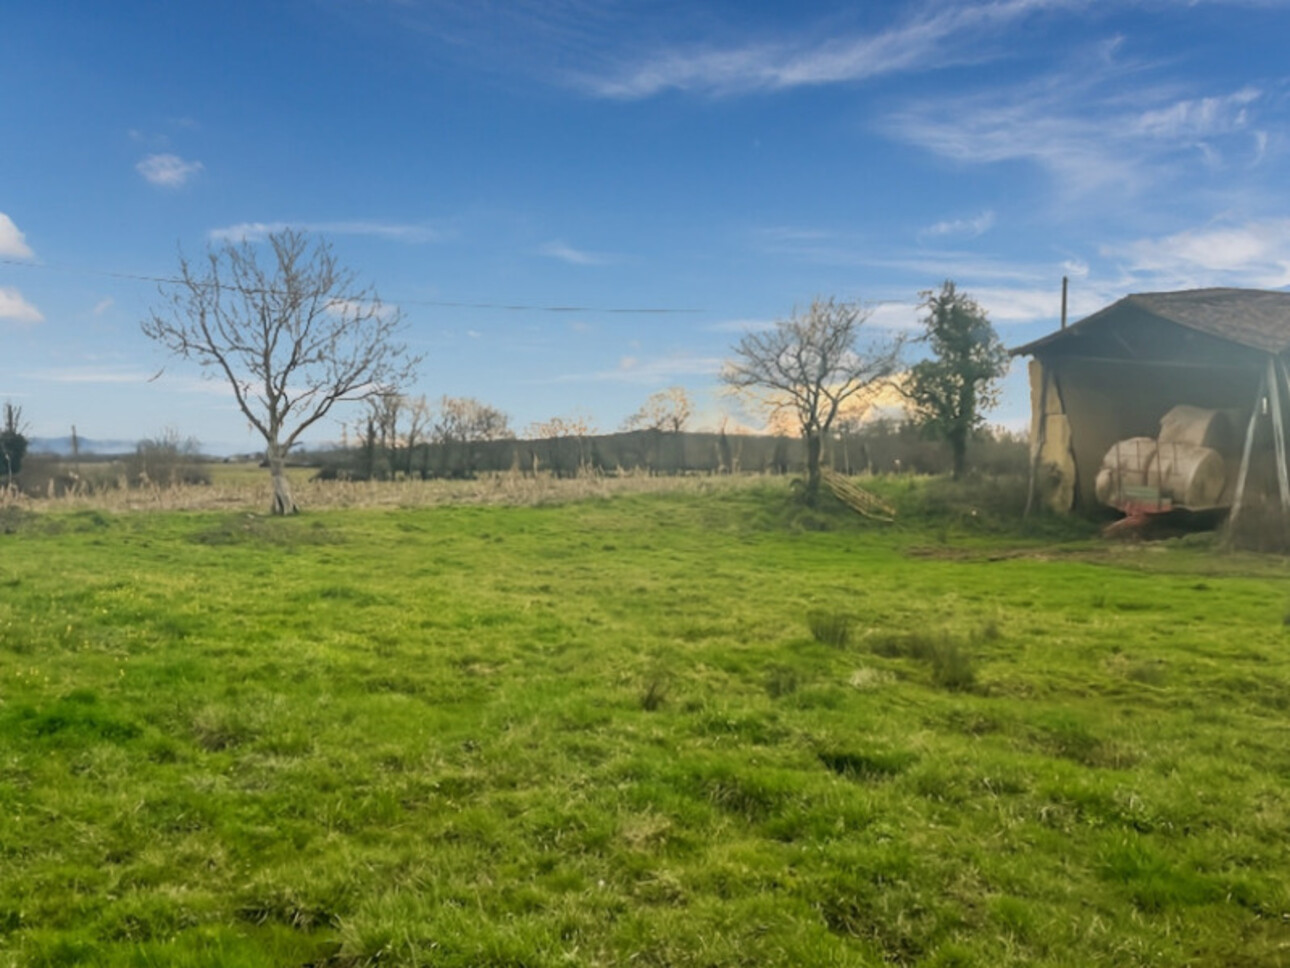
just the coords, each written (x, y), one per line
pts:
(728, 159)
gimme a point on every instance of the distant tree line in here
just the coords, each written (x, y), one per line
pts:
(296, 335)
(880, 447)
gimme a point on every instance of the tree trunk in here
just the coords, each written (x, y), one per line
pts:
(958, 447)
(814, 446)
(283, 502)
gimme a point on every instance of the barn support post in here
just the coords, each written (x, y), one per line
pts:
(1278, 435)
(1244, 473)
(1285, 376)
(1037, 445)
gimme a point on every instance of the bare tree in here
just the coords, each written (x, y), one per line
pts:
(384, 414)
(466, 419)
(558, 431)
(667, 410)
(809, 365)
(292, 340)
(463, 422)
(418, 414)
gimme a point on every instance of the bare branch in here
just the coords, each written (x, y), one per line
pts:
(292, 340)
(810, 364)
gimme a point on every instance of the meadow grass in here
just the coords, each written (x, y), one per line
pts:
(631, 731)
(247, 486)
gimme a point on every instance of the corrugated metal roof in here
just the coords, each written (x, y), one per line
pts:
(1256, 318)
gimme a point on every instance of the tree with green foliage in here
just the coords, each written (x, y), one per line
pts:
(810, 364)
(13, 442)
(951, 391)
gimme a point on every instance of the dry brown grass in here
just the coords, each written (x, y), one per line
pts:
(240, 488)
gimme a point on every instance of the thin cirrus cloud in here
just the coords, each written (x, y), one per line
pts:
(91, 375)
(167, 170)
(1088, 134)
(361, 309)
(657, 371)
(576, 257)
(972, 227)
(396, 231)
(13, 243)
(126, 375)
(937, 36)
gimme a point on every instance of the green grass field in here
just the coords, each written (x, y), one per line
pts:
(681, 729)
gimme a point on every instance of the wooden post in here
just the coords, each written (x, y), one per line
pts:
(1041, 432)
(1064, 284)
(1278, 435)
(1245, 456)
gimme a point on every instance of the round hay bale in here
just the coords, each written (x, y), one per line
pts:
(1185, 424)
(1193, 476)
(1124, 466)
(1107, 486)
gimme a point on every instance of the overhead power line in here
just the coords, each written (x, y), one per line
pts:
(444, 303)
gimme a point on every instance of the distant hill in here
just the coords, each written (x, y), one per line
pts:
(62, 446)
(90, 447)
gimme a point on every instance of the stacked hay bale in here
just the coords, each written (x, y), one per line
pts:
(1123, 474)
(1184, 466)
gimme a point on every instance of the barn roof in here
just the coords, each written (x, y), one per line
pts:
(1255, 318)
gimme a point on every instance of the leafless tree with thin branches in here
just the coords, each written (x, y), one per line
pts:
(667, 410)
(810, 364)
(292, 339)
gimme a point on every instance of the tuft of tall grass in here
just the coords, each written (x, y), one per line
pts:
(830, 627)
(654, 693)
(950, 662)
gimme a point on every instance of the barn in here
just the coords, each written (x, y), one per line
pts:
(1125, 372)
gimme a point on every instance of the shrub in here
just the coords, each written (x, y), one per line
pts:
(167, 460)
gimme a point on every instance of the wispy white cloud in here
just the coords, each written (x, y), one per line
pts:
(103, 305)
(168, 171)
(577, 257)
(1011, 306)
(13, 243)
(936, 36)
(1196, 117)
(396, 231)
(843, 251)
(895, 316)
(117, 374)
(92, 374)
(361, 308)
(740, 325)
(1253, 253)
(16, 309)
(1085, 131)
(658, 371)
(972, 227)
